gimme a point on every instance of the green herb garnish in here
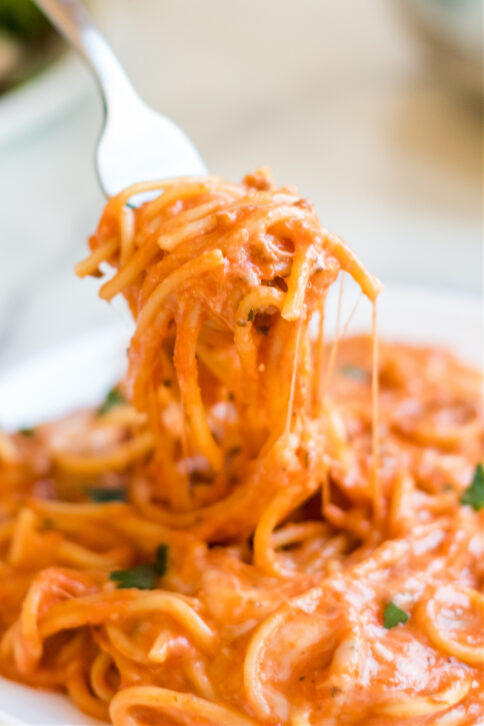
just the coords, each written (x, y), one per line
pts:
(23, 19)
(143, 577)
(474, 494)
(27, 432)
(99, 494)
(251, 315)
(161, 560)
(393, 615)
(113, 399)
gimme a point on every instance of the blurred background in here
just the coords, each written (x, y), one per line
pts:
(372, 107)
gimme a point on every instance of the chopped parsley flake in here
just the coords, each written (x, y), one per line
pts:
(474, 494)
(101, 495)
(251, 315)
(114, 398)
(27, 432)
(393, 615)
(143, 577)
(161, 560)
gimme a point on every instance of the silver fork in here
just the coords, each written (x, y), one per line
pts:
(136, 143)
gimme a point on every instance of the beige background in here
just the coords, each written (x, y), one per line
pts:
(337, 97)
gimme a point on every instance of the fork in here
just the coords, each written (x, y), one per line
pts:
(136, 143)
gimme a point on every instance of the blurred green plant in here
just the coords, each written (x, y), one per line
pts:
(22, 19)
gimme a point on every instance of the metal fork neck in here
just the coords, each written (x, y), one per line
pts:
(73, 21)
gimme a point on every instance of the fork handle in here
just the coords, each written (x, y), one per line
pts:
(74, 23)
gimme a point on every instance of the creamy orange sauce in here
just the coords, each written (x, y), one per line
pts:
(293, 529)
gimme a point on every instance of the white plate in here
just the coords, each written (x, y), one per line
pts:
(79, 374)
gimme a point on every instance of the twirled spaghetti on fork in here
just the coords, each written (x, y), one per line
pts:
(248, 531)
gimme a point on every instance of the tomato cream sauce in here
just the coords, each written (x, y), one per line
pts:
(258, 526)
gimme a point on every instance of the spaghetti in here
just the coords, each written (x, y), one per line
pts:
(256, 527)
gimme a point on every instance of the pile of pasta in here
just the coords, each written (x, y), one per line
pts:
(256, 526)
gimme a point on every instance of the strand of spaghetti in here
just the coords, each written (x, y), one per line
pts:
(123, 668)
(165, 645)
(114, 517)
(375, 479)
(106, 606)
(192, 214)
(24, 524)
(115, 460)
(125, 643)
(400, 507)
(206, 217)
(124, 414)
(325, 490)
(180, 189)
(260, 300)
(99, 677)
(417, 707)
(127, 227)
(80, 511)
(178, 490)
(181, 185)
(284, 502)
(369, 284)
(74, 555)
(292, 534)
(167, 241)
(308, 229)
(183, 227)
(103, 253)
(254, 684)
(236, 513)
(80, 693)
(302, 264)
(446, 436)
(188, 328)
(184, 707)
(146, 366)
(207, 261)
(131, 269)
(216, 364)
(49, 584)
(471, 654)
(144, 533)
(8, 450)
(347, 664)
(196, 671)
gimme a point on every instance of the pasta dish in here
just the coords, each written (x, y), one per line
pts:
(258, 525)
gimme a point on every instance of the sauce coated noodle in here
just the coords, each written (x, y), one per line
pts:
(257, 527)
